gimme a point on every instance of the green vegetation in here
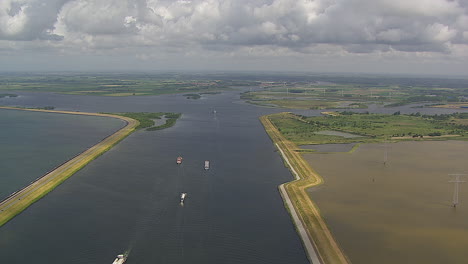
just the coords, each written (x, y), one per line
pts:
(117, 84)
(22, 199)
(15, 204)
(171, 119)
(356, 92)
(317, 230)
(298, 104)
(301, 101)
(49, 107)
(288, 130)
(147, 119)
(305, 91)
(371, 127)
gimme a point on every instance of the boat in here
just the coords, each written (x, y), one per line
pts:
(120, 259)
(207, 164)
(182, 197)
(179, 160)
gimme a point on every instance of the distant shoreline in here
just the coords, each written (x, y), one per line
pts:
(23, 198)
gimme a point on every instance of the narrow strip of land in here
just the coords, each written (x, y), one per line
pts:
(318, 241)
(20, 200)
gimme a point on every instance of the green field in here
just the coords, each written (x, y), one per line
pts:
(348, 92)
(114, 84)
(370, 127)
(295, 91)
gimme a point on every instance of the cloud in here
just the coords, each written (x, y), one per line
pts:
(26, 20)
(299, 26)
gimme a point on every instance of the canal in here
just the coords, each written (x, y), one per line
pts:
(128, 199)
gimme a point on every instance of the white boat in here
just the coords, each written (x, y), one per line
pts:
(207, 164)
(182, 197)
(120, 259)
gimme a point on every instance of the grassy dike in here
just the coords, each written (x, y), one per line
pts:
(19, 201)
(308, 213)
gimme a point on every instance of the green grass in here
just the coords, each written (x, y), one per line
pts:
(309, 214)
(372, 127)
(170, 121)
(47, 183)
(302, 104)
(147, 119)
(112, 84)
(360, 91)
(301, 100)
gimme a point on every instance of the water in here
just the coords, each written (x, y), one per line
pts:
(129, 197)
(33, 143)
(399, 212)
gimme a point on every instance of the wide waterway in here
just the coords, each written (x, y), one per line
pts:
(399, 212)
(33, 143)
(129, 197)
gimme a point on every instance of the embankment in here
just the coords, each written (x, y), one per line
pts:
(318, 241)
(20, 200)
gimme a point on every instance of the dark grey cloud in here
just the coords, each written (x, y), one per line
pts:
(229, 28)
(399, 24)
(26, 20)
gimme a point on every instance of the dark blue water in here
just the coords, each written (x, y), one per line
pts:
(33, 143)
(129, 197)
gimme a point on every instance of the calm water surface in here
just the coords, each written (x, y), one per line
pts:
(399, 212)
(33, 143)
(128, 198)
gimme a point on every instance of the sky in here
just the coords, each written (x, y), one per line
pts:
(363, 36)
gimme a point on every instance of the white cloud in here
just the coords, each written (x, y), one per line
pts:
(13, 17)
(440, 33)
(287, 27)
(27, 20)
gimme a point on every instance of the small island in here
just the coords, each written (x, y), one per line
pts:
(147, 119)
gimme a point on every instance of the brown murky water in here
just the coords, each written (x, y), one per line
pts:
(399, 212)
